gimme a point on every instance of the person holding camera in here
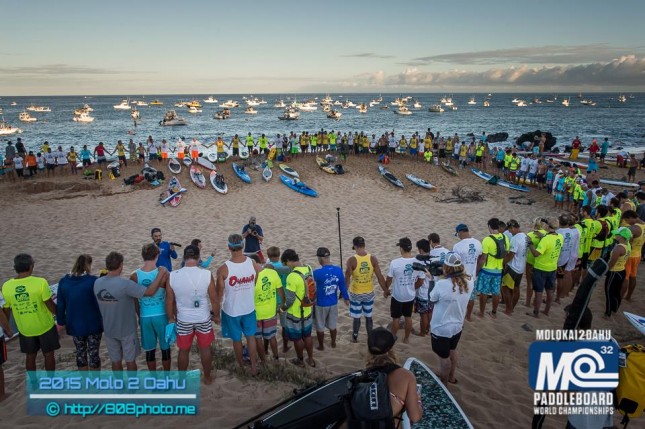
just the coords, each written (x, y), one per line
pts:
(253, 237)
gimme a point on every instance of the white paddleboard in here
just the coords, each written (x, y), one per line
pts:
(636, 320)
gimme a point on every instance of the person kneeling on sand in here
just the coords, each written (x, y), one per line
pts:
(450, 297)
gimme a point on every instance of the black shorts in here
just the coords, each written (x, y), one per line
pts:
(443, 345)
(3, 351)
(47, 342)
(442, 153)
(478, 159)
(19, 171)
(398, 309)
(631, 171)
(392, 149)
(100, 160)
(541, 178)
(152, 156)
(87, 162)
(51, 166)
(123, 159)
(603, 155)
(236, 151)
(141, 156)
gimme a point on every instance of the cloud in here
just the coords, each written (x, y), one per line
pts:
(626, 71)
(367, 55)
(59, 69)
(552, 54)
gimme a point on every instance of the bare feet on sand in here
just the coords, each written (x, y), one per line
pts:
(320, 347)
(208, 380)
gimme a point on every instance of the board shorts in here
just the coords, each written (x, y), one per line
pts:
(194, 154)
(512, 174)
(631, 267)
(543, 280)
(631, 171)
(488, 283)
(398, 308)
(153, 330)
(443, 345)
(421, 306)
(510, 278)
(100, 159)
(297, 328)
(325, 317)
(47, 342)
(413, 151)
(126, 348)
(123, 159)
(235, 327)
(478, 159)
(266, 329)
(180, 155)
(87, 162)
(51, 166)
(361, 305)
(186, 332)
(541, 178)
(87, 351)
(164, 155)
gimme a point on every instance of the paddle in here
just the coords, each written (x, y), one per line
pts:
(165, 200)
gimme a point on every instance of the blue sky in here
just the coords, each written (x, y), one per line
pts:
(143, 47)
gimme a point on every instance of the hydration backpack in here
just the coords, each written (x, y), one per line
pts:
(500, 243)
(309, 300)
(367, 404)
(630, 393)
(604, 230)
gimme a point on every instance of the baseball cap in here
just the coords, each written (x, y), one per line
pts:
(452, 259)
(624, 232)
(405, 243)
(252, 219)
(191, 252)
(461, 227)
(322, 252)
(380, 341)
(358, 242)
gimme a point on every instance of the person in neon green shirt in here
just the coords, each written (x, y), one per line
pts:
(489, 267)
(546, 256)
(263, 141)
(33, 309)
(267, 286)
(299, 320)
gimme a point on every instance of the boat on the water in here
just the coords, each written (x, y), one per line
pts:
(334, 114)
(210, 100)
(362, 108)
(26, 117)
(33, 108)
(171, 119)
(193, 109)
(83, 117)
(250, 111)
(123, 105)
(156, 103)
(436, 108)
(472, 101)
(403, 110)
(230, 104)
(289, 114)
(222, 114)
(6, 129)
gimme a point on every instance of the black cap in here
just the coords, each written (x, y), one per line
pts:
(323, 252)
(191, 252)
(405, 243)
(380, 341)
(358, 242)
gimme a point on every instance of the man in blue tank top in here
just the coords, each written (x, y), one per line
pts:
(152, 310)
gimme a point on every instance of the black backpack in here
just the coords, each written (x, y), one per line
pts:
(500, 243)
(368, 404)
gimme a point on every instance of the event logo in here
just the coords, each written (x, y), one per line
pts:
(573, 365)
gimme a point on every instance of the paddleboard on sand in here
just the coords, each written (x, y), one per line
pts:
(113, 164)
(502, 183)
(241, 172)
(212, 156)
(449, 168)
(267, 173)
(173, 194)
(419, 182)
(206, 163)
(187, 161)
(197, 177)
(298, 186)
(288, 170)
(325, 166)
(440, 410)
(217, 180)
(619, 183)
(244, 152)
(389, 176)
(174, 166)
(636, 320)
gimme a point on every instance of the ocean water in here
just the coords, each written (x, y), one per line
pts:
(622, 123)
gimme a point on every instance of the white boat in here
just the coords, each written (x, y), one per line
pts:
(250, 111)
(230, 104)
(83, 117)
(222, 114)
(6, 129)
(123, 105)
(141, 103)
(402, 110)
(279, 104)
(33, 108)
(306, 107)
(436, 108)
(210, 100)
(252, 102)
(586, 102)
(622, 98)
(362, 108)
(350, 103)
(172, 120)
(397, 102)
(452, 107)
(448, 102)
(193, 109)
(334, 114)
(13, 103)
(338, 103)
(472, 101)
(521, 103)
(326, 100)
(87, 108)
(486, 103)
(417, 105)
(289, 114)
(26, 117)
(565, 102)
(180, 104)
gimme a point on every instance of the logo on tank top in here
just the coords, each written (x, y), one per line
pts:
(241, 281)
(364, 268)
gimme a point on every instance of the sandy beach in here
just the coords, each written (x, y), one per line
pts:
(57, 219)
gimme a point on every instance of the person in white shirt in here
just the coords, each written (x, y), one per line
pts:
(404, 281)
(514, 267)
(50, 160)
(469, 249)
(19, 165)
(191, 301)
(436, 248)
(421, 304)
(568, 257)
(152, 150)
(61, 159)
(40, 162)
(194, 149)
(450, 297)
(533, 168)
(523, 173)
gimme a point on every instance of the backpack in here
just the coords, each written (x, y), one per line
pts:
(630, 393)
(160, 176)
(367, 404)
(309, 300)
(500, 244)
(604, 230)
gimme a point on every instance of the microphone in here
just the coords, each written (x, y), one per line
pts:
(175, 244)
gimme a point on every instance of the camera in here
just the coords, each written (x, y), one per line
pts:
(426, 263)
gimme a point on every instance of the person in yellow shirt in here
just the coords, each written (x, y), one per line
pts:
(267, 288)
(359, 272)
(545, 266)
(489, 266)
(637, 228)
(235, 144)
(299, 316)
(263, 141)
(414, 146)
(33, 309)
(617, 262)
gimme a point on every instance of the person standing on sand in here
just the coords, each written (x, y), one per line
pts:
(61, 160)
(489, 266)
(116, 297)
(283, 271)
(253, 236)
(534, 235)
(99, 155)
(514, 267)
(5, 330)
(568, 257)
(166, 250)
(359, 273)
(192, 305)
(152, 310)
(236, 287)
(268, 287)
(30, 301)
(546, 256)
(329, 282)
(637, 227)
(616, 274)
(633, 166)
(421, 304)
(120, 151)
(132, 150)
(469, 250)
(404, 281)
(299, 323)
(450, 297)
